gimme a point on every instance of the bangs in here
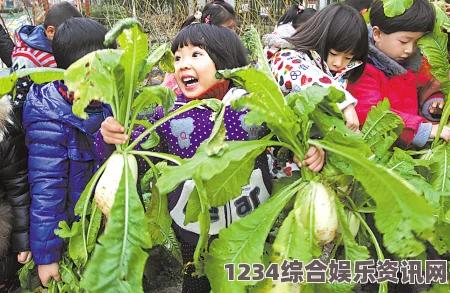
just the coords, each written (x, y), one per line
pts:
(190, 35)
(347, 35)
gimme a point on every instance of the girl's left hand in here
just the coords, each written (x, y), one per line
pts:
(314, 159)
(351, 119)
(24, 257)
(436, 107)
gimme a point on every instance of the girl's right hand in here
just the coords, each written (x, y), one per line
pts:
(351, 118)
(113, 132)
(445, 134)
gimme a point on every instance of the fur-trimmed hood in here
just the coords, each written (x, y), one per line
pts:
(389, 66)
(5, 119)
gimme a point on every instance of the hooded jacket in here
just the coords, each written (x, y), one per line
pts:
(33, 49)
(383, 77)
(14, 191)
(61, 163)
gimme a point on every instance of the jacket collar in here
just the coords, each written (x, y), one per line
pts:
(48, 104)
(389, 66)
(338, 75)
(5, 109)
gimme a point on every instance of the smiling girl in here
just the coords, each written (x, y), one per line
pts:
(393, 72)
(328, 50)
(200, 51)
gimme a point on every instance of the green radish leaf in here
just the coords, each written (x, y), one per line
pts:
(134, 42)
(439, 176)
(90, 78)
(152, 141)
(382, 128)
(144, 123)
(215, 143)
(159, 224)
(160, 95)
(68, 276)
(439, 288)
(243, 242)
(118, 28)
(440, 238)
(352, 250)
(434, 48)
(94, 226)
(65, 231)
(76, 247)
(396, 7)
(204, 219)
(404, 165)
(117, 263)
(163, 54)
(193, 208)
(289, 243)
(252, 42)
(38, 75)
(206, 167)
(395, 199)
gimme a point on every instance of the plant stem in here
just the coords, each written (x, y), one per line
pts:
(185, 108)
(168, 157)
(442, 123)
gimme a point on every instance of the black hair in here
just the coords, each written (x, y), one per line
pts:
(339, 27)
(420, 17)
(359, 4)
(59, 13)
(296, 15)
(217, 12)
(77, 37)
(222, 44)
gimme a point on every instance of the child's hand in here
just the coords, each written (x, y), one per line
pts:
(112, 131)
(46, 272)
(351, 119)
(24, 257)
(445, 134)
(436, 107)
(314, 159)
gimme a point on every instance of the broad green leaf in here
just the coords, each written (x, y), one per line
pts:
(160, 95)
(434, 47)
(118, 28)
(395, 199)
(215, 143)
(289, 243)
(439, 176)
(204, 219)
(91, 78)
(252, 42)
(38, 75)
(94, 226)
(396, 7)
(441, 238)
(163, 54)
(352, 250)
(404, 165)
(243, 241)
(159, 224)
(207, 167)
(76, 246)
(193, 208)
(382, 128)
(68, 276)
(134, 42)
(65, 231)
(117, 263)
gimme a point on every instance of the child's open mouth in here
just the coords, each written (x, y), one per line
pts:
(190, 82)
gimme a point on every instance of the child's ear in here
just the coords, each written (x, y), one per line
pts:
(50, 32)
(376, 33)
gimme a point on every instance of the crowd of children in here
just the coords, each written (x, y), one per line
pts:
(48, 155)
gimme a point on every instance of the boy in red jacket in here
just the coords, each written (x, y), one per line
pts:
(393, 72)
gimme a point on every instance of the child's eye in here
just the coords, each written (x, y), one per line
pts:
(196, 54)
(332, 53)
(177, 58)
(403, 42)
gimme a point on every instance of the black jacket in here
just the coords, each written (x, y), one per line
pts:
(6, 47)
(14, 187)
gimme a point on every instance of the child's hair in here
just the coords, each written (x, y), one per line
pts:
(59, 13)
(359, 4)
(217, 12)
(419, 17)
(77, 37)
(296, 14)
(222, 45)
(339, 27)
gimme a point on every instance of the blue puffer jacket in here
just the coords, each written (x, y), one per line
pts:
(61, 162)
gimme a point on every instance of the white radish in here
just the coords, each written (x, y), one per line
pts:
(108, 184)
(325, 215)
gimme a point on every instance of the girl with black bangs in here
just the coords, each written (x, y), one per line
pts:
(329, 50)
(200, 51)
